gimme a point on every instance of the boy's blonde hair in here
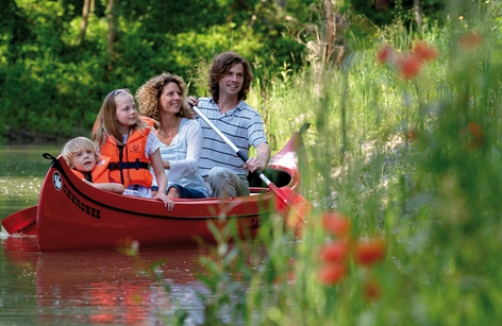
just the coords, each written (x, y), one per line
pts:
(78, 144)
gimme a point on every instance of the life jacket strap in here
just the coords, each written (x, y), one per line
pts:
(127, 165)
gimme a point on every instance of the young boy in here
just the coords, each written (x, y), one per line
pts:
(82, 157)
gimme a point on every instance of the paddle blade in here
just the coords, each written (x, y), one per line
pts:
(292, 206)
(24, 221)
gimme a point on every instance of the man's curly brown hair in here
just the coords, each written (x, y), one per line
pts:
(221, 65)
(149, 93)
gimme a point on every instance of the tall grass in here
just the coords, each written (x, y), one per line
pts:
(416, 162)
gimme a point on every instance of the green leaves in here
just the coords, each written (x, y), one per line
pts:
(67, 80)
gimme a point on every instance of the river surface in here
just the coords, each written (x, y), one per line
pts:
(83, 288)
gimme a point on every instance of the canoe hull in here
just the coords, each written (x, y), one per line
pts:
(69, 218)
(72, 215)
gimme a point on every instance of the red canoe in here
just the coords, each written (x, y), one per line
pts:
(72, 215)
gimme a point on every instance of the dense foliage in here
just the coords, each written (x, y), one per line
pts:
(53, 76)
(58, 59)
(405, 146)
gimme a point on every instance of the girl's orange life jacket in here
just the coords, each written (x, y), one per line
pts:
(128, 163)
(100, 172)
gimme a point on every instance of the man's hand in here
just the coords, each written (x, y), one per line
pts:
(192, 101)
(261, 160)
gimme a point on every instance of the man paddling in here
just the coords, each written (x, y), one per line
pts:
(229, 82)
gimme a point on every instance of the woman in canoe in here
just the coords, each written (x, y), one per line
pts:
(127, 139)
(162, 98)
(81, 155)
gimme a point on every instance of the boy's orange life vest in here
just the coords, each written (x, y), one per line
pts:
(100, 172)
(128, 163)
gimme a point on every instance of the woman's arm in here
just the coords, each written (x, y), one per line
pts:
(160, 175)
(193, 138)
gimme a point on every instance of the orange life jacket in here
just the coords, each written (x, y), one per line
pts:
(128, 163)
(100, 172)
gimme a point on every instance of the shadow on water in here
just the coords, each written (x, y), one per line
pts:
(97, 287)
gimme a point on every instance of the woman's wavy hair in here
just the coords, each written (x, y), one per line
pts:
(221, 65)
(106, 122)
(149, 93)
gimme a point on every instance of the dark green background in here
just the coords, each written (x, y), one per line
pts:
(51, 85)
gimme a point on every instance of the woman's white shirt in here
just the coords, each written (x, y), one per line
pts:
(183, 155)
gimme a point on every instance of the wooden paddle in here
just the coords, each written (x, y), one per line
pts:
(21, 221)
(290, 205)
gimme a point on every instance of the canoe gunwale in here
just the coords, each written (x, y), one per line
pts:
(90, 194)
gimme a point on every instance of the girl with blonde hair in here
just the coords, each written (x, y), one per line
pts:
(126, 137)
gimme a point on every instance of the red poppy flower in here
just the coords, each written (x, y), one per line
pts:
(383, 53)
(476, 131)
(425, 52)
(409, 66)
(334, 252)
(477, 136)
(290, 276)
(470, 41)
(369, 252)
(332, 273)
(372, 290)
(336, 223)
(411, 135)
(386, 54)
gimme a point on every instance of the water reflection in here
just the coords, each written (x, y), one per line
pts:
(95, 287)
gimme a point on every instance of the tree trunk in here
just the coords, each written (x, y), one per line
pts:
(330, 30)
(112, 31)
(417, 12)
(335, 47)
(85, 16)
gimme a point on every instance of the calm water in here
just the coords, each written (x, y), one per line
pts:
(94, 288)
(22, 170)
(84, 288)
